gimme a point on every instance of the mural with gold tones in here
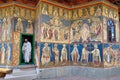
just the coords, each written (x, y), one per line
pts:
(14, 20)
(87, 35)
(20, 26)
(6, 36)
(63, 37)
(55, 24)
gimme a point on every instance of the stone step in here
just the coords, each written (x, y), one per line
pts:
(21, 77)
(22, 74)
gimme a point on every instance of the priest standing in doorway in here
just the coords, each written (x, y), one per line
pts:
(26, 50)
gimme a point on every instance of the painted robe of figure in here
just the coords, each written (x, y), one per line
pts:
(45, 35)
(108, 53)
(75, 54)
(9, 29)
(29, 28)
(50, 33)
(8, 54)
(4, 28)
(64, 54)
(96, 56)
(116, 52)
(1, 31)
(3, 54)
(56, 34)
(85, 33)
(84, 58)
(56, 54)
(26, 49)
(45, 54)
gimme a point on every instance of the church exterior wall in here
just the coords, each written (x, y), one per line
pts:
(84, 26)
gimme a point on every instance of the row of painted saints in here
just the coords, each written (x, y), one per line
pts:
(93, 11)
(20, 28)
(5, 29)
(63, 56)
(5, 53)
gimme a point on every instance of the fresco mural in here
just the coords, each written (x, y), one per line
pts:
(85, 30)
(89, 54)
(23, 22)
(111, 54)
(23, 26)
(55, 24)
(5, 29)
(54, 54)
(64, 37)
(110, 13)
(25, 13)
(20, 26)
(54, 30)
(6, 53)
(75, 53)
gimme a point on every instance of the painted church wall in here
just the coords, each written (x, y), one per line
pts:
(53, 54)
(53, 24)
(6, 36)
(111, 54)
(83, 32)
(86, 36)
(110, 13)
(87, 24)
(55, 20)
(23, 21)
(87, 54)
(111, 46)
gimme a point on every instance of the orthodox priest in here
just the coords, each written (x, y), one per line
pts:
(26, 50)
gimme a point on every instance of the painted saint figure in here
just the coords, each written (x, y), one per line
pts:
(109, 55)
(26, 50)
(45, 54)
(50, 33)
(3, 54)
(116, 57)
(1, 31)
(56, 34)
(30, 27)
(96, 55)
(45, 35)
(75, 54)
(4, 29)
(19, 25)
(8, 54)
(56, 54)
(85, 33)
(64, 54)
(85, 52)
(9, 29)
